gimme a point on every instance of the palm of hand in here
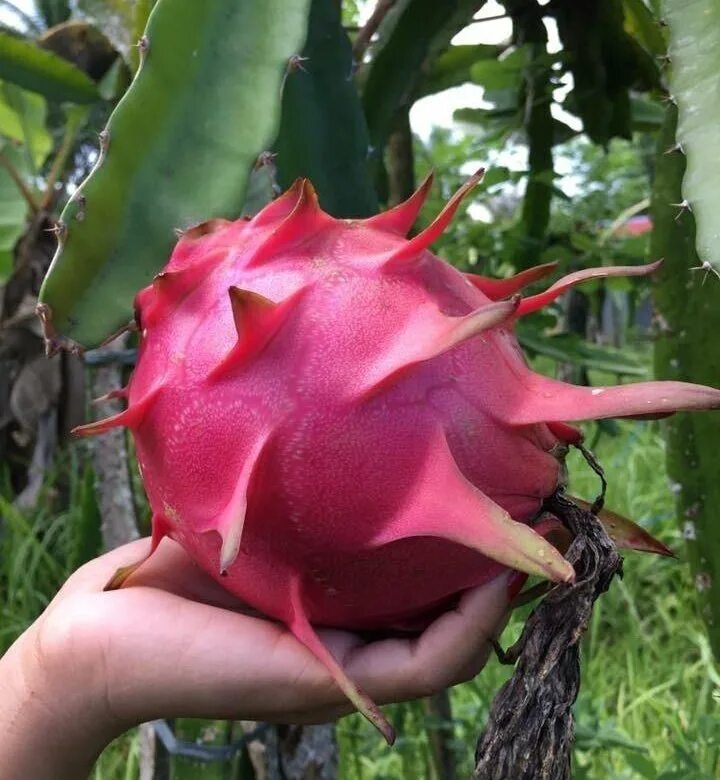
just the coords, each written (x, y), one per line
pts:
(173, 643)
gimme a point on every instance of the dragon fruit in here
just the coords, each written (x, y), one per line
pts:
(341, 428)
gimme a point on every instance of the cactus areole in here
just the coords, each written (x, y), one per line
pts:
(340, 427)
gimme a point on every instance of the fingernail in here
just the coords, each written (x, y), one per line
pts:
(515, 584)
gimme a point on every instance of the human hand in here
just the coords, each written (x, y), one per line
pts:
(173, 643)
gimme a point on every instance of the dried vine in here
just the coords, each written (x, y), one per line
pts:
(530, 730)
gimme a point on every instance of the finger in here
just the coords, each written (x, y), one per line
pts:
(94, 575)
(216, 653)
(459, 640)
(171, 569)
(396, 670)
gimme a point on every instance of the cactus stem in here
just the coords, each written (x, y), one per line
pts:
(116, 247)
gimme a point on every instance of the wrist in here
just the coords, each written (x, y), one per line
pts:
(54, 718)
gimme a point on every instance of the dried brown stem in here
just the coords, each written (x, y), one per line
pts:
(369, 29)
(19, 183)
(530, 730)
(495, 18)
(72, 129)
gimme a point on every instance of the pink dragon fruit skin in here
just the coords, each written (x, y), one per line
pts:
(340, 427)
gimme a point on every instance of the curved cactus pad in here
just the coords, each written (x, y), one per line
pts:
(695, 55)
(178, 149)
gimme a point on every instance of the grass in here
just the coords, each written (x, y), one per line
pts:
(38, 550)
(649, 706)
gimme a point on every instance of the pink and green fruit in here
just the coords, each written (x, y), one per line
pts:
(341, 428)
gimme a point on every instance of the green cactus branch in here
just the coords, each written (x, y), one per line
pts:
(688, 323)
(539, 128)
(694, 51)
(323, 134)
(177, 150)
